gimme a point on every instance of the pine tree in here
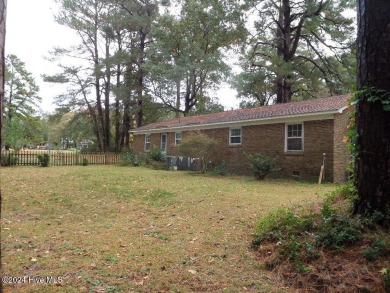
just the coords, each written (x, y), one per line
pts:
(187, 56)
(298, 44)
(372, 167)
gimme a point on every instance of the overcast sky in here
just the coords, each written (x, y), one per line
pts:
(32, 33)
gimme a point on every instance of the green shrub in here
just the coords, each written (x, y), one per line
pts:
(85, 162)
(128, 158)
(155, 155)
(300, 236)
(280, 225)
(199, 145)
(337, 227)
(375, 250)
(301, 241)
(44, 160)
(261, 165)
(222, 169)
(289, 230)
(334, 228)
(8, 160)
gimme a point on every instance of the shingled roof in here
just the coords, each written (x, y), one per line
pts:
(330, 105)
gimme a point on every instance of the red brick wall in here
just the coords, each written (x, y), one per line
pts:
(138, 143)
(269, 139)
(342, 154)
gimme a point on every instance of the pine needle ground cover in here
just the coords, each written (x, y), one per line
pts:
(325, 248)
(121, 229)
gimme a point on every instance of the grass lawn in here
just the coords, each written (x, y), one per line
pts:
(121, 229)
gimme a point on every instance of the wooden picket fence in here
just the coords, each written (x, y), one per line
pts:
(60, 158)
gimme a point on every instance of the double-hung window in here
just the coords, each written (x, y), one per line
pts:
(147, 142)
(294, 137)
(235, 136)
(177, 138)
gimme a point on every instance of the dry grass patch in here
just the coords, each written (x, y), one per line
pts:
(119, 229)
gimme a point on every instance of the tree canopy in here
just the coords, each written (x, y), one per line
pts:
(188, 54)
(298, 49)
(21, 91)
(21, 104)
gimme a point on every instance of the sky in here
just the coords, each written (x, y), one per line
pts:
(32, 33)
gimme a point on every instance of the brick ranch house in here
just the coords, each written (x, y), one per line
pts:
(296, 133)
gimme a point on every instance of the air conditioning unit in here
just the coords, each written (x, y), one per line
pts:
(181, 163)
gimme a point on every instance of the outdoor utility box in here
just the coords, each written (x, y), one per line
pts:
(181, 163)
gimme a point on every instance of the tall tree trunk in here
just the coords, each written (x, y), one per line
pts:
(100, 119)
(3, 16)
(287, 92)
(117, 111)
(372, 166)
(140, 114)
(283, 42)
(279, 90)
(107, 90)
(95, 124)
(191, 92)
(178, 98)
(117, 99)
(140, 81)
(125, 138)
(100, 125)
(283, 90)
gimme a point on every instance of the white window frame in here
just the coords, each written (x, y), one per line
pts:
(302, 137)
(147, 143)
(231, 136)
(178, 140)
(166, 141)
